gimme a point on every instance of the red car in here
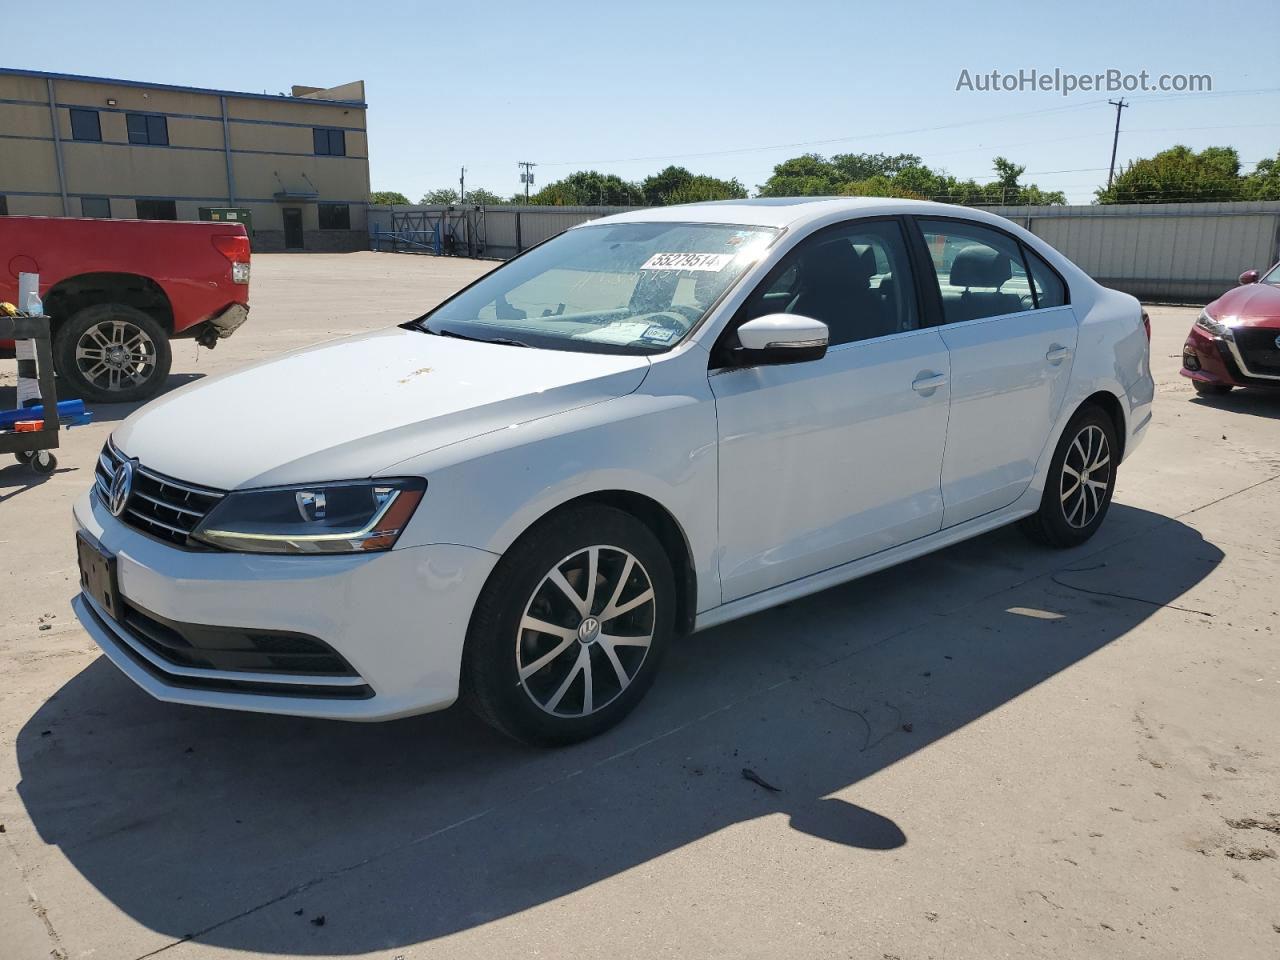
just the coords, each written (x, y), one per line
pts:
(119, 290)
(1235, 341)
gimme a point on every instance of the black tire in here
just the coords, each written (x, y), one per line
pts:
(43, 462)
(1211, 389)
(24, 456)
(1064, 518)
(492, 683)
(141, 373)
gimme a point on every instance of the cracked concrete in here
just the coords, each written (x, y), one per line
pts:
(1035, 753)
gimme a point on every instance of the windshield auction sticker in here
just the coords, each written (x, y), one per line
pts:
(688, 261)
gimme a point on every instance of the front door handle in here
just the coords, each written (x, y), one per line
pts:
(1057, 353)
(926, 383)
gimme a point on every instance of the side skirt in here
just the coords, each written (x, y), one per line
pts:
(1025, 505)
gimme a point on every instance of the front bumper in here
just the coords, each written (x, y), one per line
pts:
(398, 618)
(1211, 359)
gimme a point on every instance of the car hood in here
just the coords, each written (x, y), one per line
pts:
(355, 407)
(1252, 305)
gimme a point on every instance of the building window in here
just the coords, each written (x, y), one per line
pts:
(85, 126)
(330, 143)
(157, 210)
(335, 216)
(97, 207)
(146, 128)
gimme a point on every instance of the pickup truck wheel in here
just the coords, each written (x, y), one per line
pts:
(113, 353)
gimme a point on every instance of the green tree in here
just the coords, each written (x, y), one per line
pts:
(387, 196)
(678, 185)
(1179, 175)
(442, 195)
(808, 175)
(483, 197)
(898, 175)
(589, 188)
(1264, 182)
(850, 167)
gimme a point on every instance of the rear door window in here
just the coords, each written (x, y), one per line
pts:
(979, 271)
(1049, 288)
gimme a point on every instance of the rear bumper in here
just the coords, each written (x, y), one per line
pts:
(398, 619)
(229, 320)
(219, 326)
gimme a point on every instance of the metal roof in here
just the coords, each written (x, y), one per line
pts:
(44, 75)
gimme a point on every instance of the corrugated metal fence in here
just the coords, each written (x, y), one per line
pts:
(1176, 252)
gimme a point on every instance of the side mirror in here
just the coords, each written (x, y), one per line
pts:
(780, 338)
(1249, 276)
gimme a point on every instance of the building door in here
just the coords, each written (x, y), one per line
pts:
(292, 228)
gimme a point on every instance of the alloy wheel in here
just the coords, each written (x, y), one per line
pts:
(115, 355)
(1086, 476)
(586, 631)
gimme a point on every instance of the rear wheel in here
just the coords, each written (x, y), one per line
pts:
(113, 353)
(1211, 389)
(1082, 477)
(569, 631)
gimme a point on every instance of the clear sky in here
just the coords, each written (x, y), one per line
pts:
(726, 88)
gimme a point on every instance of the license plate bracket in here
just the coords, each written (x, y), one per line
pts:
(98, 575)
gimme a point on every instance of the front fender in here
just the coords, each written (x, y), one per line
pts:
(487, 491)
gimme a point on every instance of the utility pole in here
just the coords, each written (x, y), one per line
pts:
(526, 176)
(462, 185)
(1119, 105)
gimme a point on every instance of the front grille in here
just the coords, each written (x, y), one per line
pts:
(161, 506)
(1257, 346)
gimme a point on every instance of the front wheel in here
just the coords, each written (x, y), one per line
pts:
(113, 353)
(1082, 477)
(1211, 389)
(569, 631)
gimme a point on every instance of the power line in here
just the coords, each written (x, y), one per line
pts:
(892, 133)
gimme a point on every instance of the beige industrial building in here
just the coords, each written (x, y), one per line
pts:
(297, 163)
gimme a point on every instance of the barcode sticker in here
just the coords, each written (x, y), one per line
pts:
(688, 261)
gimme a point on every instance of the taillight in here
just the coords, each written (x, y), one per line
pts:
(236, 249)
(1146, 325)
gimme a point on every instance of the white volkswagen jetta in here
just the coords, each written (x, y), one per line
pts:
(649, 425)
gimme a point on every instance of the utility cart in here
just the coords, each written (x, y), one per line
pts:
(19, 435)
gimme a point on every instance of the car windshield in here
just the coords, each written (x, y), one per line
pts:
(1273, 276)
(612, 288)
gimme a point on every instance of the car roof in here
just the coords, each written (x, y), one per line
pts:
(789, 211)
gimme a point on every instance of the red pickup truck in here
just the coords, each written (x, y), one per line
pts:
(119, 290)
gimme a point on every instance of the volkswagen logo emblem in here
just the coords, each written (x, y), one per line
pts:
(1278, 342)
(121, 488)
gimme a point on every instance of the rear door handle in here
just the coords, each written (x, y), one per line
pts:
(1057, 353)
(928, 382)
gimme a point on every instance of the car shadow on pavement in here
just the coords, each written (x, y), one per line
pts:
(240, 831)
(1257, 403)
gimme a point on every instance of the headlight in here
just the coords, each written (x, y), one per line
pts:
(347, 517)
(1215, 327)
